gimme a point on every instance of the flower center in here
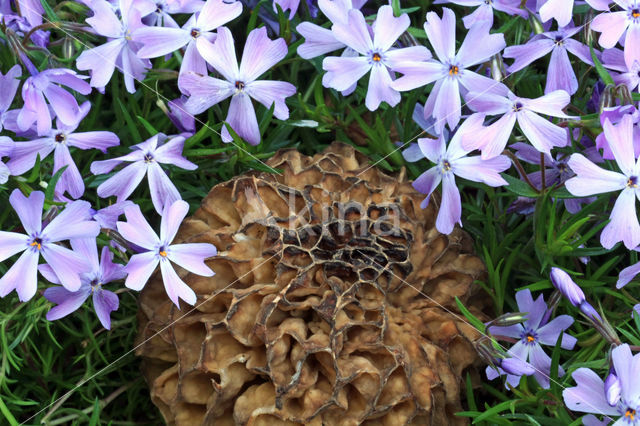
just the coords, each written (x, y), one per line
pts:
(530, 338)
(559, 40)
(518, 106)
(632, 182)
(95, 284)
(148, 158)
(61, 137)
(635, 13)
(37, 243)
(454, 70)
(162, 251)
(376, 57)
(195, 33)
(630, 414)
(239, 85)
(446, 166)
(487, 1)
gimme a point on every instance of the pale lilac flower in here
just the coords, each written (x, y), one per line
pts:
(542, 133)
(537, 330)
(560, 74)
(8, 87)
(107, 217)
(451, 71)
(241, 84)
(627, 73)
(58, 141)
(560, 10)
(452, 161)
(45, 86)
(72, 223)
(375, 55)
(102, 271)
(179, 115)
(119, 51)
(590, 396)
(612, 26)
(189, 256)
(600, 5)
(319, 40)
(484, 13)
(196, 34)
(145, 158)
(591, 180)
(290, 5)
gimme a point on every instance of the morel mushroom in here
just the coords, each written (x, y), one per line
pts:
(333, 303)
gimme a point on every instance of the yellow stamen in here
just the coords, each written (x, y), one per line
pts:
(635, 14)
(454, 70)
(36, 244)
(163, 253)
(531, 339)
(632, 183)
(377, 57)
(630, 414)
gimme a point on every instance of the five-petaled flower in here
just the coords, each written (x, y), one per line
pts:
(68, 265)
(159, 250)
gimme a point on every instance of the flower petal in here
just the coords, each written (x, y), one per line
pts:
(343, 72)
(450, 208)
(137, 230)
(22, 276)
(67, 301)
(260, 54)
(205, 91)
(624, 224)
(548, 333)
(525, 54)
(560, 75)
(270, 92)
(123, 183)
(588, 396)
(163, 191)
(105, 302)
(620, 140)
(221, 55)
(479, 46)
(217, 12)
(66, 264)
(354, 33)
(242, 118)
(380, 89)
(387, 28)
(627, 274)
(29, 209)
(611, 25)
(172, 217)
(442, 34)
(543, 134)
(192, 256)
(11, 243)
(591, 179)
(176, 288)
(139, 269)
(101, 61)
(159, 41)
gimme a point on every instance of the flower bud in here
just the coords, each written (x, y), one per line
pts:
(569, 289)
(612, 388)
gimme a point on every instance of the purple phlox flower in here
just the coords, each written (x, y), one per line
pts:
(196, 34)
(591, 180)
(72, 223)
(451, 161)
(145, 158)
(375, 55)
(612, 25)
(161, 16)
(614, 115)
(628, 274)
(102, 271)
(58, 141)
(318, 40)
(21, 27)
(560, 74)
(484, 12)
(119, 51)
(45, 86)
(590, 396)
(560, 10)
(189, 256)
(32, 11)
(572, 292)
(628, 74)
(240, 83)
(557, 172)
(179, 115)
(450, 70)
(542, 133)
(533, 333)
(8, 87)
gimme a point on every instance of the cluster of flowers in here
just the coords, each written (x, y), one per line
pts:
(135, 31)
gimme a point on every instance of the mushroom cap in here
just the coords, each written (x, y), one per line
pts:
(333, 302)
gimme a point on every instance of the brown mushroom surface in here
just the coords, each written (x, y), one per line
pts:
(333, 303)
